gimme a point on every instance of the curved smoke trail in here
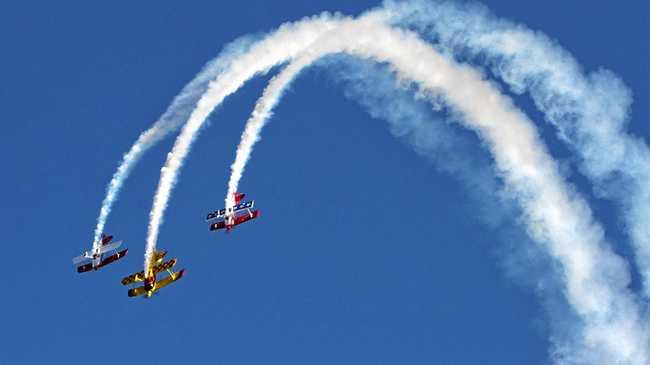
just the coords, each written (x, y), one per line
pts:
(276, 48)
(261, 113)
(170, 121)
(183, 104)
(596, 279)
(576, 243)
(589, 110)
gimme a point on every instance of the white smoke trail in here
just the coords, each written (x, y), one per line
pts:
(433, 135)
(276, 48)
(596, 279)
(170, 121)
(261, 114)
(589, 110)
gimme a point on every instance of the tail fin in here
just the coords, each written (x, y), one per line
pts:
(239, 197)
(106, 239)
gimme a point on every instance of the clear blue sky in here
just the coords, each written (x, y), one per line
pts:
(365, 254)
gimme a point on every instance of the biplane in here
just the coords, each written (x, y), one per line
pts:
(151, 284)
(230, 217)
(97, 256)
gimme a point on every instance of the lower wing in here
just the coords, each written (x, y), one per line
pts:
(112, 258)
(168, 280)
(217, 225)
(137, 291)
(85, 268)
(246, 217)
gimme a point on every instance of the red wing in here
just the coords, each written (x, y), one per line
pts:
(245, 218)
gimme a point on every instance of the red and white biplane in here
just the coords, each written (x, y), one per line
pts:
(230, 217)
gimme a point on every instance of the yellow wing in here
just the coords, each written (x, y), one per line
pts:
(156, 262)
(168, 280)
(159, 285)
(137, 277)
(133, 278)
(134, 292)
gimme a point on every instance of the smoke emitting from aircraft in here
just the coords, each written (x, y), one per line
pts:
(595, 280)
(170, 121)
(274, 49)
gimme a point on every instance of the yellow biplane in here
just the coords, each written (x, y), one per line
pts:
(151, 285)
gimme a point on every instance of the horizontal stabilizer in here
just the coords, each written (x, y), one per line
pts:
(133, 278)
(158, 256)
(238, 197)
(106, 239)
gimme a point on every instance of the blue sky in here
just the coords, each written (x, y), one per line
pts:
(365, 252)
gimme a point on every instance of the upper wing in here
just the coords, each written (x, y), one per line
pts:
(134, 278)
(110, 247)
(165, 266)
(216, 214)
(80, 259)
(244, 205)
(222, 212)
(137, 277)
